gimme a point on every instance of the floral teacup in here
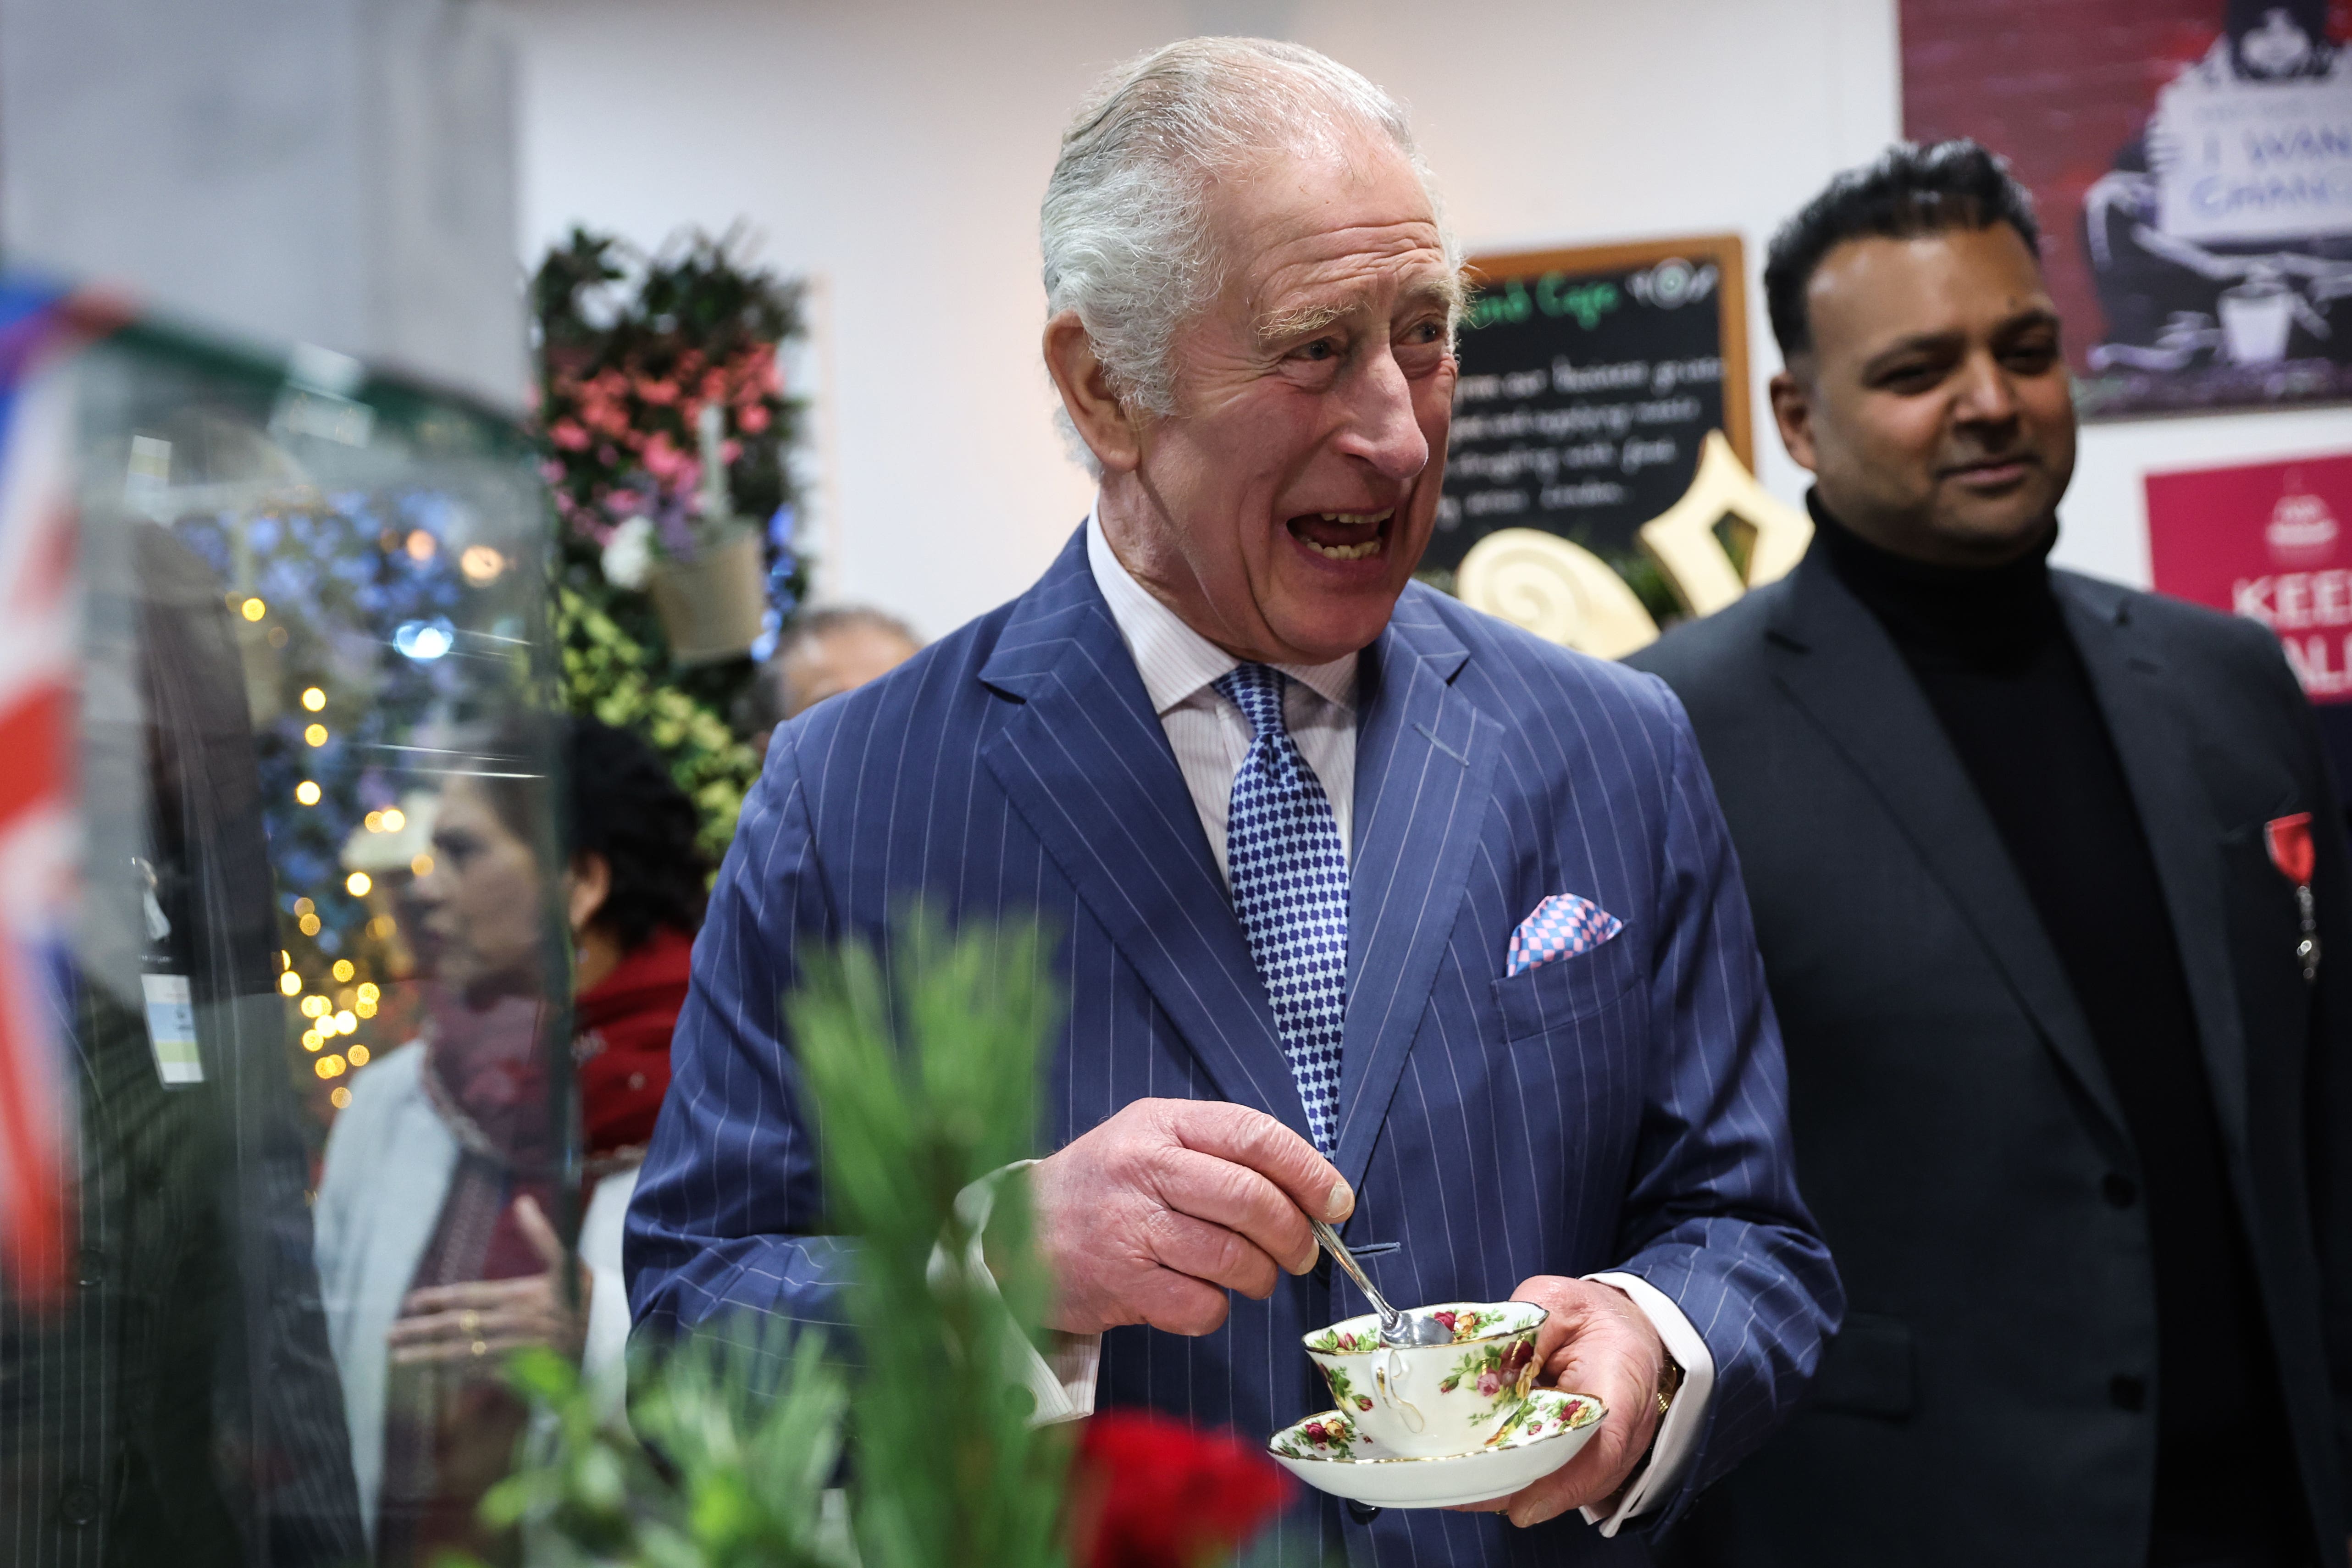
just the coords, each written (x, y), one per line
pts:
(1426, 1401)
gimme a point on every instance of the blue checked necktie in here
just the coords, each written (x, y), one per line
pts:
(1289, 876)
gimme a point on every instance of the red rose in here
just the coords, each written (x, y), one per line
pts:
(1446, 1319)
(1150, 1491)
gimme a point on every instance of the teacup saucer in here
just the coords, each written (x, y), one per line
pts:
(1329, 1454)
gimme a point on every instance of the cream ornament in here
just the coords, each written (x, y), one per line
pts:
(1565, 593)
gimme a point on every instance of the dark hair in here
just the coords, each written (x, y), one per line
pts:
(618, 801)
(2241, 17)
(1909, 191)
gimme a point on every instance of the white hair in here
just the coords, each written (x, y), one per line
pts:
(1124, 225)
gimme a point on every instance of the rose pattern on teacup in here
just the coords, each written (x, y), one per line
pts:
(1329, 1435)
(1333, 1436)
(1534, 1417)
(1462, 1323)
(1503, 1371)
(1343, 1389)
(1430, 1400)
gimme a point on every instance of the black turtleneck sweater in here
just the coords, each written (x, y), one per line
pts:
(1990, 649)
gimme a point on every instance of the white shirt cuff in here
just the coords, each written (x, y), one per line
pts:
(604, 1355)
(1062, 1380)
(1677, 1436)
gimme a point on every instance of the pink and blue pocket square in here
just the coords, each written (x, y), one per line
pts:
(1561, 927)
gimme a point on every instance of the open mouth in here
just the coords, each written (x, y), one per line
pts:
(1343, 535)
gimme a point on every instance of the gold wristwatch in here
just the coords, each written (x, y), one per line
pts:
(1670, 1383)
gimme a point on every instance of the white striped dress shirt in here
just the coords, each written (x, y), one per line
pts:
(1211, 736)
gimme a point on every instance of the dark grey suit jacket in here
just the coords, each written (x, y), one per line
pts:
(179, 1405)
(1955, 1128)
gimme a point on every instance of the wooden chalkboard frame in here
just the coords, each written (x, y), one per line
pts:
(1729, 257)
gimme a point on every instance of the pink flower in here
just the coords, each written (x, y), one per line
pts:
(1489, 1384)
(660, 393)
(752, 419)
(568, 435)
(667, 463)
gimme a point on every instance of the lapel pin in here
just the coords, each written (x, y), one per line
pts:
(2289, 841)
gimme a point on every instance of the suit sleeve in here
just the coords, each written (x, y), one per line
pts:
(2328, 1101)
(728, 1215)
(1713, 1219)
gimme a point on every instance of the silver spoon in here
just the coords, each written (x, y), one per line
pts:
(1396, 1328)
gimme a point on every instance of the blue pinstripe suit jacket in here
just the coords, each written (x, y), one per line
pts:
(1624, 1109)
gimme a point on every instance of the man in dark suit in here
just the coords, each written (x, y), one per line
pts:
(177, 1402)
(2037, 863)
(1371, 908)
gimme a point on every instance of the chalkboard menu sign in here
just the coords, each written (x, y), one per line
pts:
(1588, 379)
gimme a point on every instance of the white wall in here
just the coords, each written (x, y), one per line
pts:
(334, 172)
(897, 150)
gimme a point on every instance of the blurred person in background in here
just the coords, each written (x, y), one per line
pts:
(176, 1402)
(437, 1239)
(826, 652)
(2049, 881)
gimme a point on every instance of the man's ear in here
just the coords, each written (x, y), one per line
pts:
(1792, 410)
(1084, 385)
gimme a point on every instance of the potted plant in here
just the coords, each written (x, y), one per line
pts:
(665, 434)
(748, 1446)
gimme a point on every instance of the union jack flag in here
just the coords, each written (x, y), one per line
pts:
(39, 841)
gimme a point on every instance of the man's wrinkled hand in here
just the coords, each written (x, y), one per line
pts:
(1596, 1341)
(1157, 1212)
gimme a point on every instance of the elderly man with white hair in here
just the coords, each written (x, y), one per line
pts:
(1370, 908)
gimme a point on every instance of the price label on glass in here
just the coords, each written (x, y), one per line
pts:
(171, 1028)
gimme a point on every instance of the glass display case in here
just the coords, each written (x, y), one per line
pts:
(289, 1156)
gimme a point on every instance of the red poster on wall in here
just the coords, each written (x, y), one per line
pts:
(2272, 542)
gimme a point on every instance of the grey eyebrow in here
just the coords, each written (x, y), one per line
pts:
(1298, 323)
(1275, 327)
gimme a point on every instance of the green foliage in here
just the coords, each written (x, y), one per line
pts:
(608, 676)
(925, 1080)
(744, 1458)
(1649, 584)
(922, 1089)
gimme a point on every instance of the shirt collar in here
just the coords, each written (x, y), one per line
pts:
(1176, 661)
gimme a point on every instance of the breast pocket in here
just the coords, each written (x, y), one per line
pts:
(1566, 991)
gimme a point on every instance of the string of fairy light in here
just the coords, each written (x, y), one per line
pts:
(333, 1018)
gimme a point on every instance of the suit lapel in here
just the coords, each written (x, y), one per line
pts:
(2127, 674)
(1834, 658)
(1424, 766)
(1087, 764)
